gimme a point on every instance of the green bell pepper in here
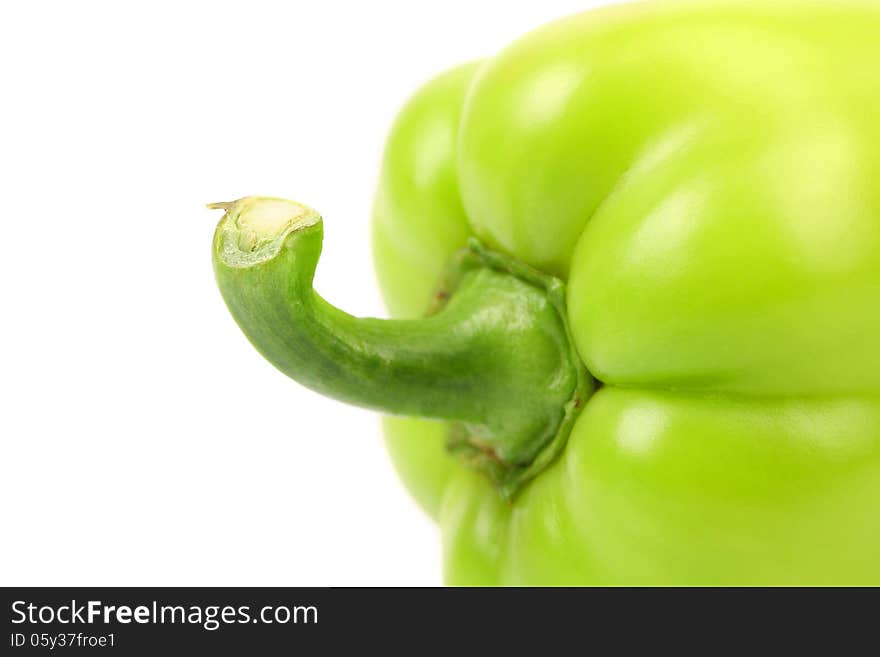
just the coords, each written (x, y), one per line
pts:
(634, 265)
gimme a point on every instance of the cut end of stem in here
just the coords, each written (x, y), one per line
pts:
(254, 227)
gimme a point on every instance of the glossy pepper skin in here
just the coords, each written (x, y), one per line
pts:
(633, 262)
(706, 179)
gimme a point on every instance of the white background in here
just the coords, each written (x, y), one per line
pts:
(144, 442)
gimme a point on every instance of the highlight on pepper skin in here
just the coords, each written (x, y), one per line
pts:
(633, 268)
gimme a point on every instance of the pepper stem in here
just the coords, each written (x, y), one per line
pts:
(495, 358)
